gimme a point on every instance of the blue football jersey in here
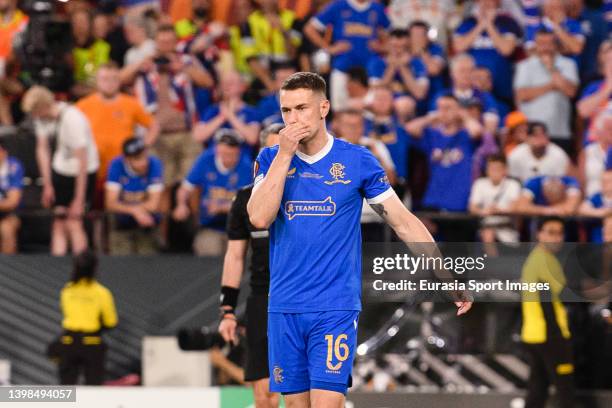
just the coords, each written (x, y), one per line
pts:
(11, 176)
(217, 184)
(315, 240)
(356, 24)
(535, 187)
(397, 140)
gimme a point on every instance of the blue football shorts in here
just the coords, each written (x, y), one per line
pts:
(311, 350)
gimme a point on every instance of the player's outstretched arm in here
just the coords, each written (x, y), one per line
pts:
(414, 234)
(267, 194)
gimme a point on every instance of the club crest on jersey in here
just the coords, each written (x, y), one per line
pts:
(325, 208)
(338, 175)
(277, 372)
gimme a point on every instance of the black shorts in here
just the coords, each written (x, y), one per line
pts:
(64, 189)
(256, 338)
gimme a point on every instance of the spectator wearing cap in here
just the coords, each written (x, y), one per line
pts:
(357, 27)
(537, 156)
(592, 159)
(69, 174)
(554, 19)
(400, 71)
(11, 185)
(230, 113)
(218, 173)
(114, 116)
(133, 195)
(546, 195)
(462, 88)
(515, 131)
(492, 197)
(599, 205)
(544, 85)
(491, 37)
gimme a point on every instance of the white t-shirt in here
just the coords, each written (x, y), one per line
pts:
(72, 131)
(523, 165)
(485, 194)
(594, 166)
(138, 54)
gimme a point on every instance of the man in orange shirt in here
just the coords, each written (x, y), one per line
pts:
(114, 117)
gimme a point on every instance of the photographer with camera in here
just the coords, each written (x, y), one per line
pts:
(241, 234)
(165, 86)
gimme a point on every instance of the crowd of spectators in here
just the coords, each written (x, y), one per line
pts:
(150, 111)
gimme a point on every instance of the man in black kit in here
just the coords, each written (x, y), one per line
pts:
(240, 233)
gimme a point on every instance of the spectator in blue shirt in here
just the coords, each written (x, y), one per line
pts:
(554, 18)
(133, 191)
(230, 113)
(447, 136)
(218, 173)
(433, 57)
(268, 109)
(356, 28)
(11, 185)
(401, 72)
(387, 128)
(491, 38)
(599, 205)
(544, 195)
(594, 28)
(463, 89)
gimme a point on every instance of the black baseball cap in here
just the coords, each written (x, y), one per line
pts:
(133, 146)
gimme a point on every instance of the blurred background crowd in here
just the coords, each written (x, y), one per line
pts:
(134, 122)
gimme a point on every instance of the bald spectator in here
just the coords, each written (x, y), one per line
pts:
(462, 88)
(546, 195)
(114, 116)
(491, 37)
(537, 156)
(544, 85)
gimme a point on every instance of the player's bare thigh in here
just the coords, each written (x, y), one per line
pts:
(315, 399)
(263, 397)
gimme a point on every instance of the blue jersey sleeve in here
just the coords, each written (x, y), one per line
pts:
(436, 50)
(262, 164)
(572, 183)
(590, 89)
(376, 68)
(328, 16)
(596, 200)
(383, 20)
(533, 186)
(489, 104)
(15, 175)
(375, 185)
(156, 172)
(209, 113)
(114, 171)
(609, 159)
(419, 70)
(573, 27)
(466, 26)
(197, 174)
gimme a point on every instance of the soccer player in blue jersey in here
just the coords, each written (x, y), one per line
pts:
(309, 191)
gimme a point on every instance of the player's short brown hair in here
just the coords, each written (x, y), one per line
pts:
(305, 80)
